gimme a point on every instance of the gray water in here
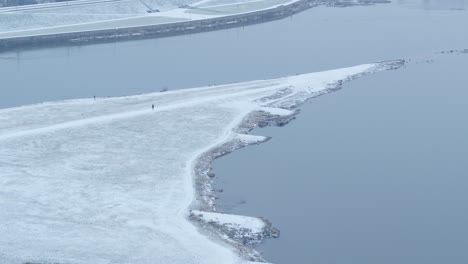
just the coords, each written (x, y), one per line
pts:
(375, 173)
(370, 174)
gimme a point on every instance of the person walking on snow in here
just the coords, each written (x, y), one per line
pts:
(152, 106)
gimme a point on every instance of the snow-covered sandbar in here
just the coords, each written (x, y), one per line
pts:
(113, 181)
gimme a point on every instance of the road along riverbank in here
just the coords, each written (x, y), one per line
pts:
(110, 32)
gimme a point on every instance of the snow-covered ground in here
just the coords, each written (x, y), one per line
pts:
(112, 181)
(89, 15)
(235, 221)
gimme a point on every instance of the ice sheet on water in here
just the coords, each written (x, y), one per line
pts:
(111, 180)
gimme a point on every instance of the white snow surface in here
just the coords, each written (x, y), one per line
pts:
(254, 224)
(277, 111)
(111, 181)
(93, 15)
(251, 139)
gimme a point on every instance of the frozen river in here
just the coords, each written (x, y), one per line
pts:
(372, 174)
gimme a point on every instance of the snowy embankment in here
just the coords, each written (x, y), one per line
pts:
(112, 181)
(94, 15)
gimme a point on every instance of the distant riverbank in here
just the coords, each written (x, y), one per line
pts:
(66, 36)
(144, 27)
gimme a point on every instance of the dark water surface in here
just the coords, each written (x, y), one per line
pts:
(375, 173)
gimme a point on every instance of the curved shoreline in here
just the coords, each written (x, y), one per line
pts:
(158, 30)
(162, 30)
(203, 178)
(153, 205)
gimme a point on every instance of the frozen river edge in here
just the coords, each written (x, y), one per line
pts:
(112, 181)
(242, 237)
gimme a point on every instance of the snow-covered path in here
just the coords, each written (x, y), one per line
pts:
(111, 181)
